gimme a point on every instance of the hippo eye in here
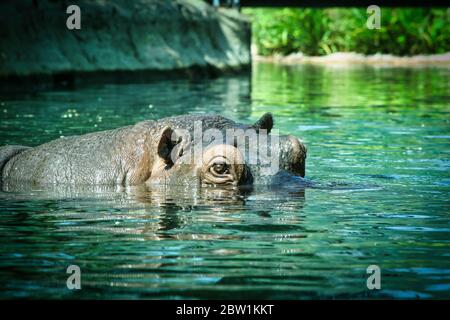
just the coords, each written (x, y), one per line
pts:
(219, 171)
(222, 165)
(221, 168)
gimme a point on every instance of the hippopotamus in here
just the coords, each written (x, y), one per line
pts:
(180, 150)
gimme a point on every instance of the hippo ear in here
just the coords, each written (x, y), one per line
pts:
(265, 122)
(168, 140)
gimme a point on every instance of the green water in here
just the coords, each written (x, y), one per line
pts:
(379, 157)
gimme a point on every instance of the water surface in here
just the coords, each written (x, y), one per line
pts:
(378, 153)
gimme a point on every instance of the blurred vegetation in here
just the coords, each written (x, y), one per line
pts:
(404, 31)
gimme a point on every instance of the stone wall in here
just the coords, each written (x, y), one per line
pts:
(120, 35)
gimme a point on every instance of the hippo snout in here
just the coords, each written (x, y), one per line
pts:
(293, 155)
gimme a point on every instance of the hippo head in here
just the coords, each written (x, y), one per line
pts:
(215, 151)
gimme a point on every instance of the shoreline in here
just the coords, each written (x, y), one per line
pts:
(114, 38)
(352, 58)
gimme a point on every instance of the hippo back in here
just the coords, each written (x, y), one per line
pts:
(7, 152)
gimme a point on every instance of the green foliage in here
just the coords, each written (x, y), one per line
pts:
(404, 31)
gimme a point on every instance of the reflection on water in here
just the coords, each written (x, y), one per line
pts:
(378, 166)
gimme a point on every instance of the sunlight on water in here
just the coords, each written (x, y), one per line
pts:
(378, 162)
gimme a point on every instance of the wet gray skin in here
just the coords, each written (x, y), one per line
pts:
(162, 152)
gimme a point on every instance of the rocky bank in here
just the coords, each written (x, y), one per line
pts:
(120, 36)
